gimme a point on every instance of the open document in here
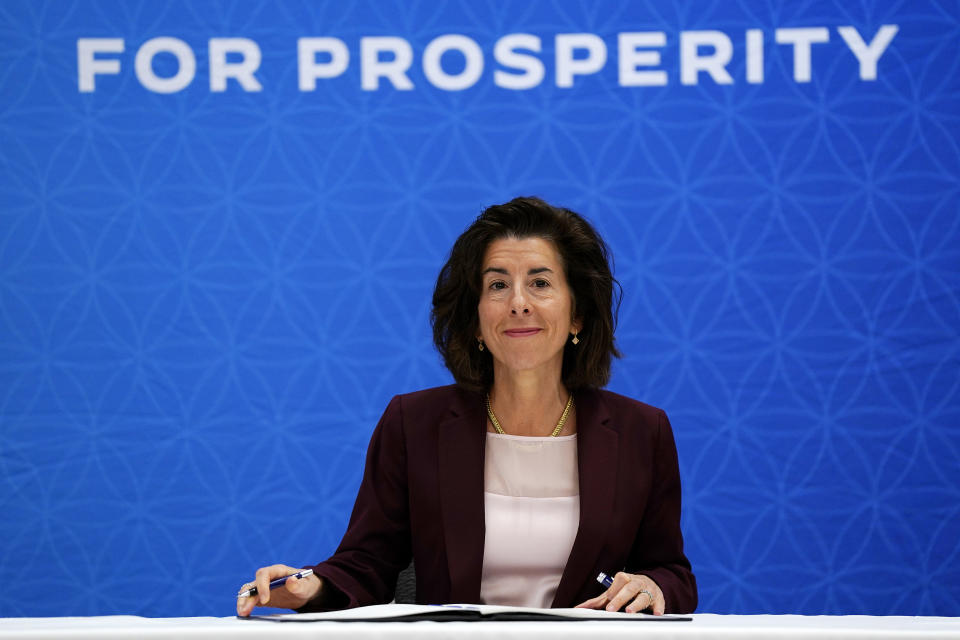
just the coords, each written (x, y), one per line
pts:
(463, 613)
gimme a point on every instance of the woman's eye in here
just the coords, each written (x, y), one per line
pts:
(540, 283)
(497, 285)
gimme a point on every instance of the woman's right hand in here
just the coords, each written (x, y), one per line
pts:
(294, 594)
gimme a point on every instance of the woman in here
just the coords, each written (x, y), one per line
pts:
(523, 481)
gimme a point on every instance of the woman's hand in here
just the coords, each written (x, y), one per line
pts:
(638, 592)
(294, 594)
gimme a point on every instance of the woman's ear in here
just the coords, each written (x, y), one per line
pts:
(576, 326)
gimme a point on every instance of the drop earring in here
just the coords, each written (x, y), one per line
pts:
(575, 340)
(480, 344)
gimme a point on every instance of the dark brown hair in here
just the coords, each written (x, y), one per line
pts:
(585, 258)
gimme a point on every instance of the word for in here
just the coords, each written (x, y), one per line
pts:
(519, 65)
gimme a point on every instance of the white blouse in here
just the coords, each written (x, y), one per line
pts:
(532, 510)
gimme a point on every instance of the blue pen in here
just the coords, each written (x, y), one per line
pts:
(279, 582)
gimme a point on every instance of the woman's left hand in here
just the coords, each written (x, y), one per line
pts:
(638, 592)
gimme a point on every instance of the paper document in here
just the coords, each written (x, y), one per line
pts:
(463, 612)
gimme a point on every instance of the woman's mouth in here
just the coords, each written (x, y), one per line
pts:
(521, 333)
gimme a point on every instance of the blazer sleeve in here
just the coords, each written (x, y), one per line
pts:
(376, 545)
(657, 550)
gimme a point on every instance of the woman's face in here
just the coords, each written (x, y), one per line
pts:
(525, 305)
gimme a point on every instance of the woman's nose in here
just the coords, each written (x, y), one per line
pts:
(518, 304)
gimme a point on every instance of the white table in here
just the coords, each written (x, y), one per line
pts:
(704, 625)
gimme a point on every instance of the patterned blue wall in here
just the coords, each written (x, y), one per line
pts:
(207, 297)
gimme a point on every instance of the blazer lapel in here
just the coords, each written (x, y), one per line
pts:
(597, 442)
(461, 452)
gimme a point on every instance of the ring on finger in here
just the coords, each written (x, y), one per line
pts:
(649, 596)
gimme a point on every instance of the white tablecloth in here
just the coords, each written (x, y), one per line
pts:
(703, 625)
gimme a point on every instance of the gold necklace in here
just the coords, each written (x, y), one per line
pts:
(563, 418)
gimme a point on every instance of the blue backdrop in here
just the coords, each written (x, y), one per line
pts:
(218, 243)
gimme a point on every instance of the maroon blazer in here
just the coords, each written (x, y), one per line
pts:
(422, 494)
